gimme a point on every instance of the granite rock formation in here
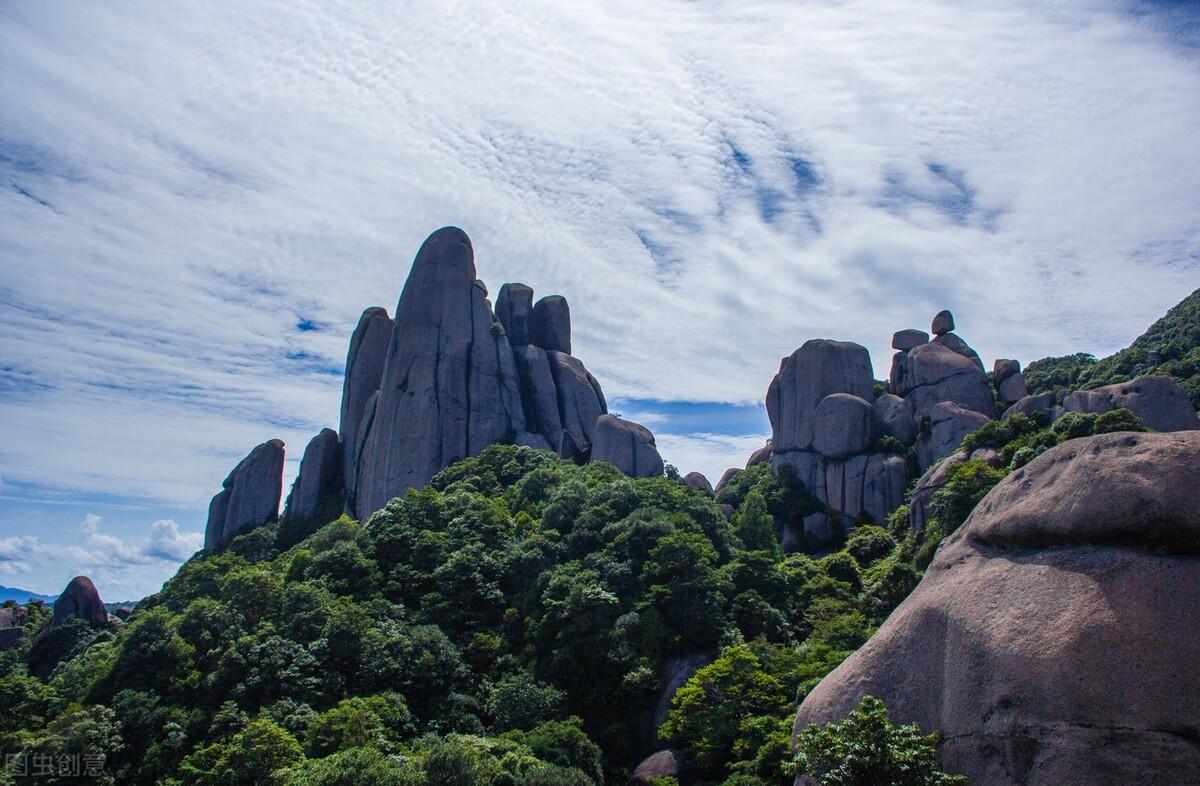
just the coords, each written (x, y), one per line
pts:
(627, 445)
(1050, 639)
(80, 600)
(697, 481)
(360, 388)
(660, 765)
(1009, 381)
(320, 478)
(12, 626)
(550, 324)
(1158, 400)
(825, 427)
(249, 497)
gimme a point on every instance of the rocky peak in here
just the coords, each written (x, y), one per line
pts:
(249, 497)
(80, 600)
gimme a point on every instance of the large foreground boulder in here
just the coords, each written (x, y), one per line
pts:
(1054, 637)
(249, 497)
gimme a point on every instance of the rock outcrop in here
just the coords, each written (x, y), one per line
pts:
(320, 478)
(448, 377)
(825, 427)
(1009, 381)
(943, 370)
(12, 626)
(249, 497)
(697, 481)
(627, 445)
(1050, 640)
(663, 764)
(360, 389)
(80, 600)
(1158, 400)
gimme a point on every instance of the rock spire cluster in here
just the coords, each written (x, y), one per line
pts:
(442, 380)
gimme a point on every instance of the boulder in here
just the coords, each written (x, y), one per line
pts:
(364, 370)
(580, 402)
(1158, 400)
(697, 481)
(1042, 405)
(249, 497)
(935, 478)
(1013, 389)
(513, 307)
(13, 616)
(663, 764)
(320, 477)
(894, 418)
(933, 373)
(1048, 639)
(948, 424)
(1004, 368)
(539, 394)
(450, 384)
(943, 323)
(905, 340)
(953, 342)
(815, 370)
(550, 324)
(843, 425)
(80, 600)
(759, 456)
(627, 445)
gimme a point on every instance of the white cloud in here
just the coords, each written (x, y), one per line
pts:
(710, 184)
(122, 570)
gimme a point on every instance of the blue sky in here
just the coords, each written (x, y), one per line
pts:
(197, 201)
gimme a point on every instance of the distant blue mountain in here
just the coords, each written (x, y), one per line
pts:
(23, 596)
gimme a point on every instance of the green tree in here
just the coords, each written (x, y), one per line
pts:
(867, 749)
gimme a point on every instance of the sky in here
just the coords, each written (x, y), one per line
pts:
(197, 200)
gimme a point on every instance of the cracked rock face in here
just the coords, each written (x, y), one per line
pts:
(1052, 639)
(249, 496)
(449, 386)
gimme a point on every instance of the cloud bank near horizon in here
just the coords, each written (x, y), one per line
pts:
(197, 202)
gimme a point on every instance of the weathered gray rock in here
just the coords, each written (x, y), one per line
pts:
(1041, 405)
(1004, 368)
(905, 340)
(954, 342)
(885, 479)
(1046, 640)
(843, 424)
(550, 324)
(1158, 400)
(80, 600)
(1013, 389)
(364, 370)
(13, 616)
(450, 384)
(697, 481)
(935, 478)
(949, 423)
(943, 323)
(815, 370)
(663, 764)
(580, 402)
(933, 373)
(627, 445)
(249, 496)
(319, 479)
(759, 456)
(894, 418)
(539, 394)
(514, 305)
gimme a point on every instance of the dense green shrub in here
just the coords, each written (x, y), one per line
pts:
(867, 749)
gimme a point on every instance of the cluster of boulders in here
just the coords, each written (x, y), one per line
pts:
(1159, 401)
(1052, 640)
(826, 426)
(444, 379)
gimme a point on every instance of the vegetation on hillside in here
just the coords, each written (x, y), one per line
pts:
(509, 624)
(1171, 347)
